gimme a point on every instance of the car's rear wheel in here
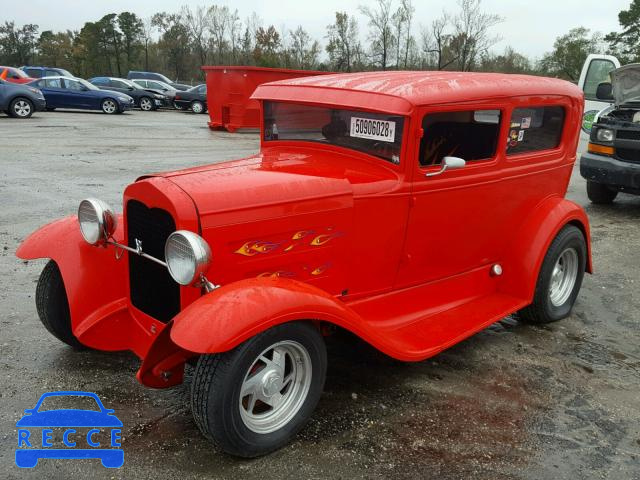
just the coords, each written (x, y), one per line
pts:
(109, 106)
(600, 193)
(255, 398)
(146, 104)
(197, 106)
(21, 108)
(53, 306)
(559, 279)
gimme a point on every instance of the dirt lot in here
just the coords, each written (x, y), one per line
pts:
(514, 401)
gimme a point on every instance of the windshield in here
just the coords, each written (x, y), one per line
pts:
(90, 86)
(376, 134)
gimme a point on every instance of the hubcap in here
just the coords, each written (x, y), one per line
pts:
(196, 107)
(275, 387)
(145, 104)
(563, 277)
(22, 108)
(109, 106)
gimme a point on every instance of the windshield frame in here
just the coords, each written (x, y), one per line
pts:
(402, 144)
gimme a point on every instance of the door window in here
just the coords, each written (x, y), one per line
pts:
(119, 84)
(51, 73)
(100, 81)
(52, 83)
(73, 85)
(471, 135)
(33, 72)
(155, 85)
(597, 73)
(535, 128)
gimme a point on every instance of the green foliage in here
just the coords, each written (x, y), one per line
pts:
(626, 44)
(569, 53)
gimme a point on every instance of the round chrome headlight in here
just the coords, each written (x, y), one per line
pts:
(97, 220)
(187, 255)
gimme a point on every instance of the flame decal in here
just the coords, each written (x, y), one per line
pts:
(280, 273)
(301, 234)
(250, 249)
(324, 238)
(321, 269)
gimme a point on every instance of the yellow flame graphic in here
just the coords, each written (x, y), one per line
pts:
(324, 238)
(250, 249)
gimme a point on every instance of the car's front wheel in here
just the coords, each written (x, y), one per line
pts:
(146, 104)
(255, 398)
(559, 279)
(21, 108)
(197, 106)
(600, 193)
(53, 306)
(109, 106)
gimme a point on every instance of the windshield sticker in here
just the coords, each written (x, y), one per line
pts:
(526, 122)
(521, 135)
(371, 129)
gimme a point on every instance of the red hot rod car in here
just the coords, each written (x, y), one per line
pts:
(410, 208)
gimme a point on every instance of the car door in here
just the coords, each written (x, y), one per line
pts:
(75, 94)
(53, 92)
(455, 213)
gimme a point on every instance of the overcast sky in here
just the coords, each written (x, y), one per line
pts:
(530, 26)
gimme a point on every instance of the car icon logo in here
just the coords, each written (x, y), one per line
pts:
(84, 433)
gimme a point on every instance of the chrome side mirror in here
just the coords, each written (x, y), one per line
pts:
(448, 163)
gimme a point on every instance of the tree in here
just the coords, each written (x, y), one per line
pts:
(56, 49)
(304, 50)
(626, 44)
(147, 37)
(436, 43)
(267, 45)
(380, 33)
(471, 33)
(111, 38)
(174, 41)
(570, 52)
(343, 39)
(17, 45)
(508, 62)
(219, 23)
(132, 29)
(197, 24)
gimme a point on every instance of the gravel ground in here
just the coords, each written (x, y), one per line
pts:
(514, 401)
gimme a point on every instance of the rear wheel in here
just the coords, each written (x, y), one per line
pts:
(559, 279)
(21, 108)
(146, 104)
(197, 106)
(600, 193)
(109, 106)
(255, 398)
(53, 306)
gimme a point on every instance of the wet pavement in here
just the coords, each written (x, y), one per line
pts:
(512, 402)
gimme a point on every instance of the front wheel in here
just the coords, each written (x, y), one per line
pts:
(255, 398)
(146, 104)
(559, 279)
(109, 106)
(21, 108)
(599, 193)
(197, 106)
(53, 306)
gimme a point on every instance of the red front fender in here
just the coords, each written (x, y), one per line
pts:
(224, 318)
(95, 283)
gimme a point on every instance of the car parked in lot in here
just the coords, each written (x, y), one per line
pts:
(195, 98)
(20, 101)
(66, 92)
(132, 74)
(158, 87)
(40, 72)
(143, 99)
(14, 75)
(412, 209)
(612, 161)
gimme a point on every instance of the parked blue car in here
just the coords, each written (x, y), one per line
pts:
(40, 72)
(65, 92)
(36, 433)
(20, 101)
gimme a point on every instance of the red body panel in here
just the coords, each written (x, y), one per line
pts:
(229, 89)
(317, 232)
(14, 75)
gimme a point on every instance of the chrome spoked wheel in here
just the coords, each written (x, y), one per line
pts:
(563, 277)
(275, 387)
(197, 107)
(145, 104)
(109, 106)
(22, 108)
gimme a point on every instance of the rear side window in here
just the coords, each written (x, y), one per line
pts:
(51, 73)
(33, 72)
(118, 84)
(470, 135)
(100, 81)
(535, 128)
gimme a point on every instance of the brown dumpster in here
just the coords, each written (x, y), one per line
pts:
(229, 89)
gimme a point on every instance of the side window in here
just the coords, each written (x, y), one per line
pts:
(597, 73)
(470, 135)
(100, 81)
(52, 83)
(118, 84)
(51, 73)
(154, 85)
(14, 75)
(202, 90)
(33, 72)
(535, 128)
(71, 85)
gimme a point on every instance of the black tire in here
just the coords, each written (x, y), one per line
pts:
(217, 380)
(110, 106)
(600, 193)
(50, 109)
(197, 107)
(53, 307)
(21, 107)
(177, 106)
(147, 104)
(543, 310)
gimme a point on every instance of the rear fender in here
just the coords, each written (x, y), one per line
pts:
(530, 244)
(95, 283)
(224, 318)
